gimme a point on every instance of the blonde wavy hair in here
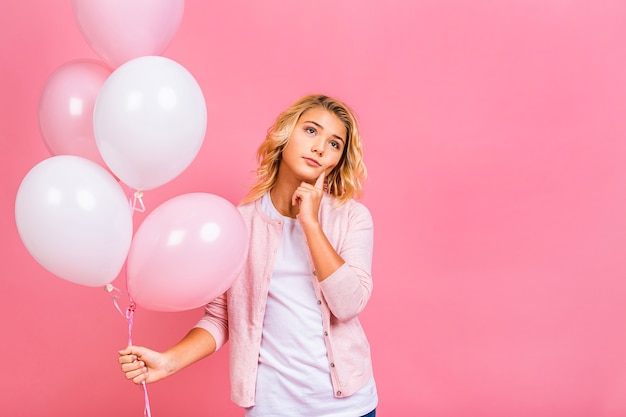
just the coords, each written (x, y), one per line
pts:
(343, 182)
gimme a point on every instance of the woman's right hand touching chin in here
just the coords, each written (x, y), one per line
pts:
(140, 364)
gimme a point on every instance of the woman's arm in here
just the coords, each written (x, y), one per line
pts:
(141, 364)
(345, 278)
(348, 289)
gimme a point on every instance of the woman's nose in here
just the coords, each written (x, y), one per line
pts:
(318, 146)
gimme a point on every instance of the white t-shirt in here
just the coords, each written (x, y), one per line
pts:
(293, 378)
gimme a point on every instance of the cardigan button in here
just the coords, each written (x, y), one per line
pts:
(319, 302)
(325, 333)
(332, 364)
(315, 273)
(338, 393)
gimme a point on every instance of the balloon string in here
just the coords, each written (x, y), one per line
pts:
(137, 200)
(115, 295)
(130, 313)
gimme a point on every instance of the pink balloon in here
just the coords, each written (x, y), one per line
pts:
(66, 109)
(186, 252)
(120, 30)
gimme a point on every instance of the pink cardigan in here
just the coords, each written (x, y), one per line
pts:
(238, 314)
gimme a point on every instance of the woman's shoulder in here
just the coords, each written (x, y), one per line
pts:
(252, 211)
(245, 207)
(247, 210)
(351, 208)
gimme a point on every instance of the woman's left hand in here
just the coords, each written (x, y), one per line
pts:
(308, 198)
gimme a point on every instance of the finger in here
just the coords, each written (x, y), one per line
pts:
(137, 351)
(138, 374)
(319, 183)
(132, 366)
(126, 351)
(127, 359)
(299, 193)
(140, 378)
(132, 350)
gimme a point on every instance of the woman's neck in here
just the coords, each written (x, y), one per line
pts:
(281, 196)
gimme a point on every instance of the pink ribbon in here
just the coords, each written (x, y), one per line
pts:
(130, 313)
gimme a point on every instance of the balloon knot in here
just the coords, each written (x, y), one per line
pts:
(131, 307)
(138, 202)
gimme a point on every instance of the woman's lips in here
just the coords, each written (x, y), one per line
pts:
(312, 162)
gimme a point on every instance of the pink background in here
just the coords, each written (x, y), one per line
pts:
(495, 139)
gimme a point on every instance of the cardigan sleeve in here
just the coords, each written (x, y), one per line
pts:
(215, 320)
(348, 289)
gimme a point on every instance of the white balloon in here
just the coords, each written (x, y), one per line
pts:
(149, 121)
(74, 219)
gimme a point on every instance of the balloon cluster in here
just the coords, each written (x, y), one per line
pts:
(139, 119)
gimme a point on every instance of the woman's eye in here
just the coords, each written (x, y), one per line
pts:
(310, 130)
(334, 144)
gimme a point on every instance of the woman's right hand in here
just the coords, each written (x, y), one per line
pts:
(140, 364)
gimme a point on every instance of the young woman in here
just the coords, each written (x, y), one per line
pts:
(296, 345)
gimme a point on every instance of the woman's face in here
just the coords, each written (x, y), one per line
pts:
(315, 145)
